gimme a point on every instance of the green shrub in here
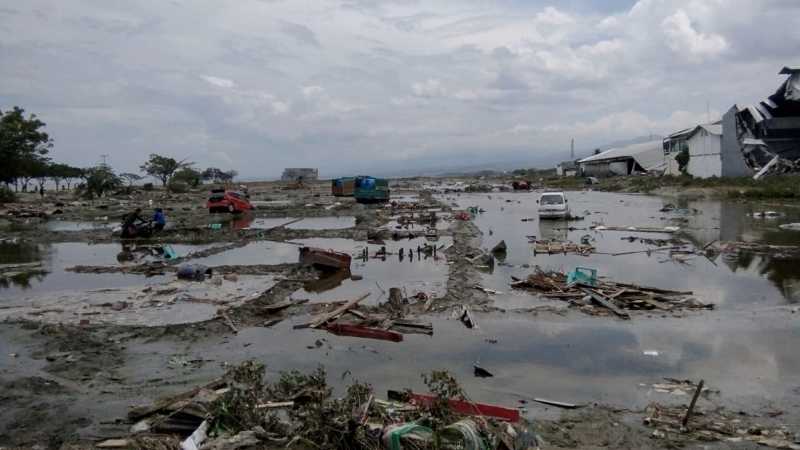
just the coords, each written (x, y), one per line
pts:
(7, 195)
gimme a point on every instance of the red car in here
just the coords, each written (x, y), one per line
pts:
(221, 200)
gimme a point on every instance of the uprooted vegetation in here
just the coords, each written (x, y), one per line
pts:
(244, 410)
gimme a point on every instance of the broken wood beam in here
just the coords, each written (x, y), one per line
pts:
(557, 404)
(691, 405)
(322, 319)
(603, 301)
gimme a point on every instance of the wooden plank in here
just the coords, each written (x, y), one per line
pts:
(656, 304)
(599, 298)
(652, 289)
(342, 329)
(321, 319)
(558, 404)
(283, 305)
(228, 321)
(691, 405)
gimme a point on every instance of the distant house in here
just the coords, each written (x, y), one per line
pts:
(567, 169)
(704, 143)
(631, 159)
(300, 174)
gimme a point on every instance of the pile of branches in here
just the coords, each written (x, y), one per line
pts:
(243, 410)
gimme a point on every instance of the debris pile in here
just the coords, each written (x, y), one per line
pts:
(670, 423)
(609, 295)
(242, 410)
(549, 247)
(773, 251)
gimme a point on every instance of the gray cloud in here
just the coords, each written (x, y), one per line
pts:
(301, 33)
(381, 86)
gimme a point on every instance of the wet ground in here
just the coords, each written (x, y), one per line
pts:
(535, 347)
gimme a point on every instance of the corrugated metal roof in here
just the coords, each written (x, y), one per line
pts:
(649, 155)
(713, 128)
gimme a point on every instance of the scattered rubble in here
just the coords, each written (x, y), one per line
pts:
(609, 295)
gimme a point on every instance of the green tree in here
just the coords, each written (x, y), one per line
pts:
(683, 160)
(23, 142)
(189, 176)
(211, 174)
(163, 167)
(59, 173)
(100, 180)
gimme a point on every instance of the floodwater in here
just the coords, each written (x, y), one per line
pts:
(729, 283)
(576, 359)
(247, 221)
(254, 253)
(56, 258)
(417, 274)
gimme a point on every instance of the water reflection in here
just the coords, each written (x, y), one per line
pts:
(51, 275)
(725, 282)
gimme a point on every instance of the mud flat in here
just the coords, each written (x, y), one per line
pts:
(93, 326)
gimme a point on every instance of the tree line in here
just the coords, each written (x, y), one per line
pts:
(25, 160)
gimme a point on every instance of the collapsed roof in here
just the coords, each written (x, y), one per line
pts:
(648, 155)
(769, 131)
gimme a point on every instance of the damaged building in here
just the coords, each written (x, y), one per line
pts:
(767, 134)
(637, 158)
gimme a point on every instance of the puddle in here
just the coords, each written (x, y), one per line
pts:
(245, 221)
(572, 360)
(254, 253)
(417, 274)
(57, 257)
(728, 283)
(68, 225)
(324, 223)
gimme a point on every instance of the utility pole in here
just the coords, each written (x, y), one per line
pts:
(104, 157)
(572, 150)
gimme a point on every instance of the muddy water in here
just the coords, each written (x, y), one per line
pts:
(578, 360)
(324, 223)
(729, 283)
(55, 258)
(247, 221)
(420, 273)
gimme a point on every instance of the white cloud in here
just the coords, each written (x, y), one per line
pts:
(682, 38)
(552, 16)
(219, 82)
(273, 83)
(429, 88)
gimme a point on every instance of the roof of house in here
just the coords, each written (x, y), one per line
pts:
(649, 155)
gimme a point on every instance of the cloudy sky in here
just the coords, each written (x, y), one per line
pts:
(383, 86)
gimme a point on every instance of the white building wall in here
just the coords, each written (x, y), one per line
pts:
(705, 155)
(671, 166)
(619, 167)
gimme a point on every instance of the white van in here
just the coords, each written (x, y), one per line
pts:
(553, 205)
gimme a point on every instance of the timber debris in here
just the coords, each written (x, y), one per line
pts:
(611, 297)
